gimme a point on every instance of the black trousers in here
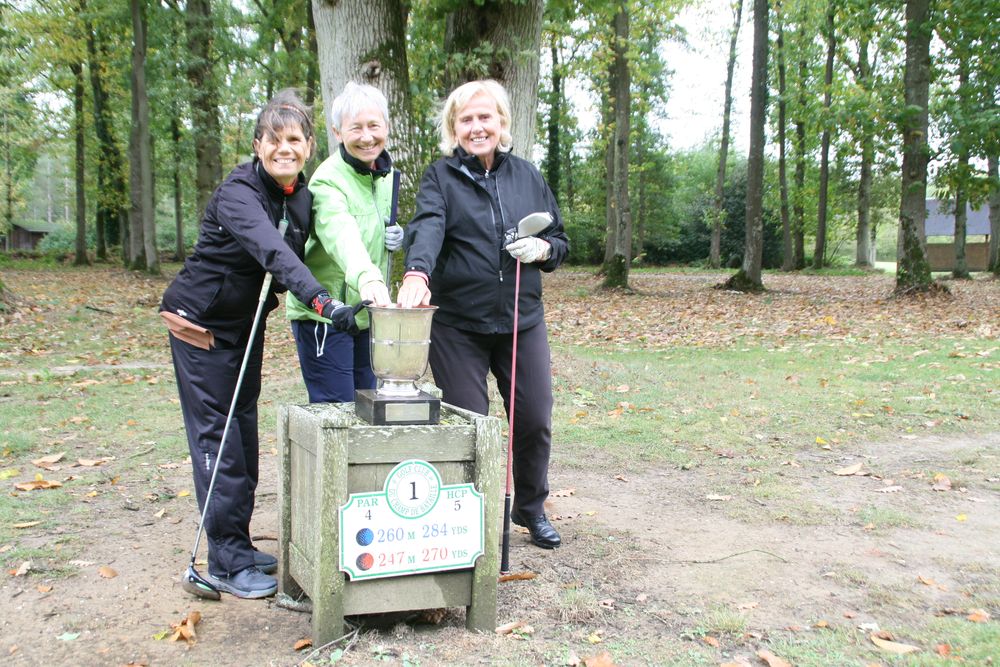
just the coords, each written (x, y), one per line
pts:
(461, 360)
(206, 382)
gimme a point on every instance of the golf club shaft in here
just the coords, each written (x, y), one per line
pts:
(264, 289)
(505, 547)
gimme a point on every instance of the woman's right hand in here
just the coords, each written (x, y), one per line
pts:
(376, 292)
(413, 292)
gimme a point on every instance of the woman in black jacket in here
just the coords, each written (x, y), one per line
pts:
(462, 252)
(209, 309)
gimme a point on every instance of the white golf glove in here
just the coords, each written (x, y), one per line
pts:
(530, 249)
(393, 238)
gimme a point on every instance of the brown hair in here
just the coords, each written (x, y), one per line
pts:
(284, 109)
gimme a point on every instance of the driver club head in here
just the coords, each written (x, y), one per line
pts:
(533, 223)
(196, 585)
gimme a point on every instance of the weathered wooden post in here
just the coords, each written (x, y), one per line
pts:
(414, 498)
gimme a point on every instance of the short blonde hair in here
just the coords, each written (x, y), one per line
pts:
(457, 101)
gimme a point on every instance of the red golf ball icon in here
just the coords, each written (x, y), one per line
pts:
(365, 561)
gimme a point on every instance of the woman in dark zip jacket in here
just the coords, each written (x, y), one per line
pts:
(209, 309)
(461, 254)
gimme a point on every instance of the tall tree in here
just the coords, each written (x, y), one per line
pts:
(994, 250)
(720, 176)
(498, 39)
(376, 56)
(79, 136)
(913, 272)
(205, 125)
(111, 216)
(619, 215)
(819, 255)
(787, 252)
(748, 278)
(141, 218)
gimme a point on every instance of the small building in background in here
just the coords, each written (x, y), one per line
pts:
(26, 235)
(939, 229)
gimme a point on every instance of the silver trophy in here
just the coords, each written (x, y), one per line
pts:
(400, 343)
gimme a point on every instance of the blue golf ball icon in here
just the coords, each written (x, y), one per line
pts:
(365, 536)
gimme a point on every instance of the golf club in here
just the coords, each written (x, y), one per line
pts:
(529, 225)
(393, 210)
(191, 581)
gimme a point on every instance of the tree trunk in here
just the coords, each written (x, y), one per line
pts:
(748, 278)
(913, 272)
(111, 212)
(610, 219)
(798, 205)
(553, 162)
(81, 258)
(376, 56)
(175, 137)
(961, 268)
(864, 256)
(8, 213)
(140, 149)
(787, 256)
(204, 101)
(994, 174)
(513, 28)
(617, 269)
(718, 214)
(819, 256)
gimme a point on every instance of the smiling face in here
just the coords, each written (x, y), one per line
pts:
(364, 135)
(477, 128)
(284, 153)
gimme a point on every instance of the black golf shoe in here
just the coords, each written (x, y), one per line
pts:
(250, 583)
(266, 563)
(542, 533)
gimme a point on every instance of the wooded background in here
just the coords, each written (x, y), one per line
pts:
(118, 120)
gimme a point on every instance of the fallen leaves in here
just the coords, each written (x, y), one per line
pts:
(851, 470)
(185, 629)
(941, 482)
(771, 659)
(978, 616)
(886, 642)
(38, 483)
(48, 462)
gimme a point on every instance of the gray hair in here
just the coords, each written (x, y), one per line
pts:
(284, 109)
(457, 101)
(353, 100)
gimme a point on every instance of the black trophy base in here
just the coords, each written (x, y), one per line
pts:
(396, 410)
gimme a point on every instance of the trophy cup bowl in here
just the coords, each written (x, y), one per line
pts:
(400, 343)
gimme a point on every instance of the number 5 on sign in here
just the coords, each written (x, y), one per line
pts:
(406, 529)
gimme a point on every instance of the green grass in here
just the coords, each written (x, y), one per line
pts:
(758, 400)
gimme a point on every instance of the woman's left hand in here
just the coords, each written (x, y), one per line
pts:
(529, 249)
(376, 292)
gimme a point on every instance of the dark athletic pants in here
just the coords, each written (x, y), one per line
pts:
(460, 361)
(333, 363)
(206, 381)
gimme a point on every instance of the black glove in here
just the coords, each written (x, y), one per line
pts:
(341, 316)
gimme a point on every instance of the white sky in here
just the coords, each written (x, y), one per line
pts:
(697, 84)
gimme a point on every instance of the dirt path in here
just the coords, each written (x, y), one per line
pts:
(649, 561)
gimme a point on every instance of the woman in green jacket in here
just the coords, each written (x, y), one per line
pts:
(349, 248)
